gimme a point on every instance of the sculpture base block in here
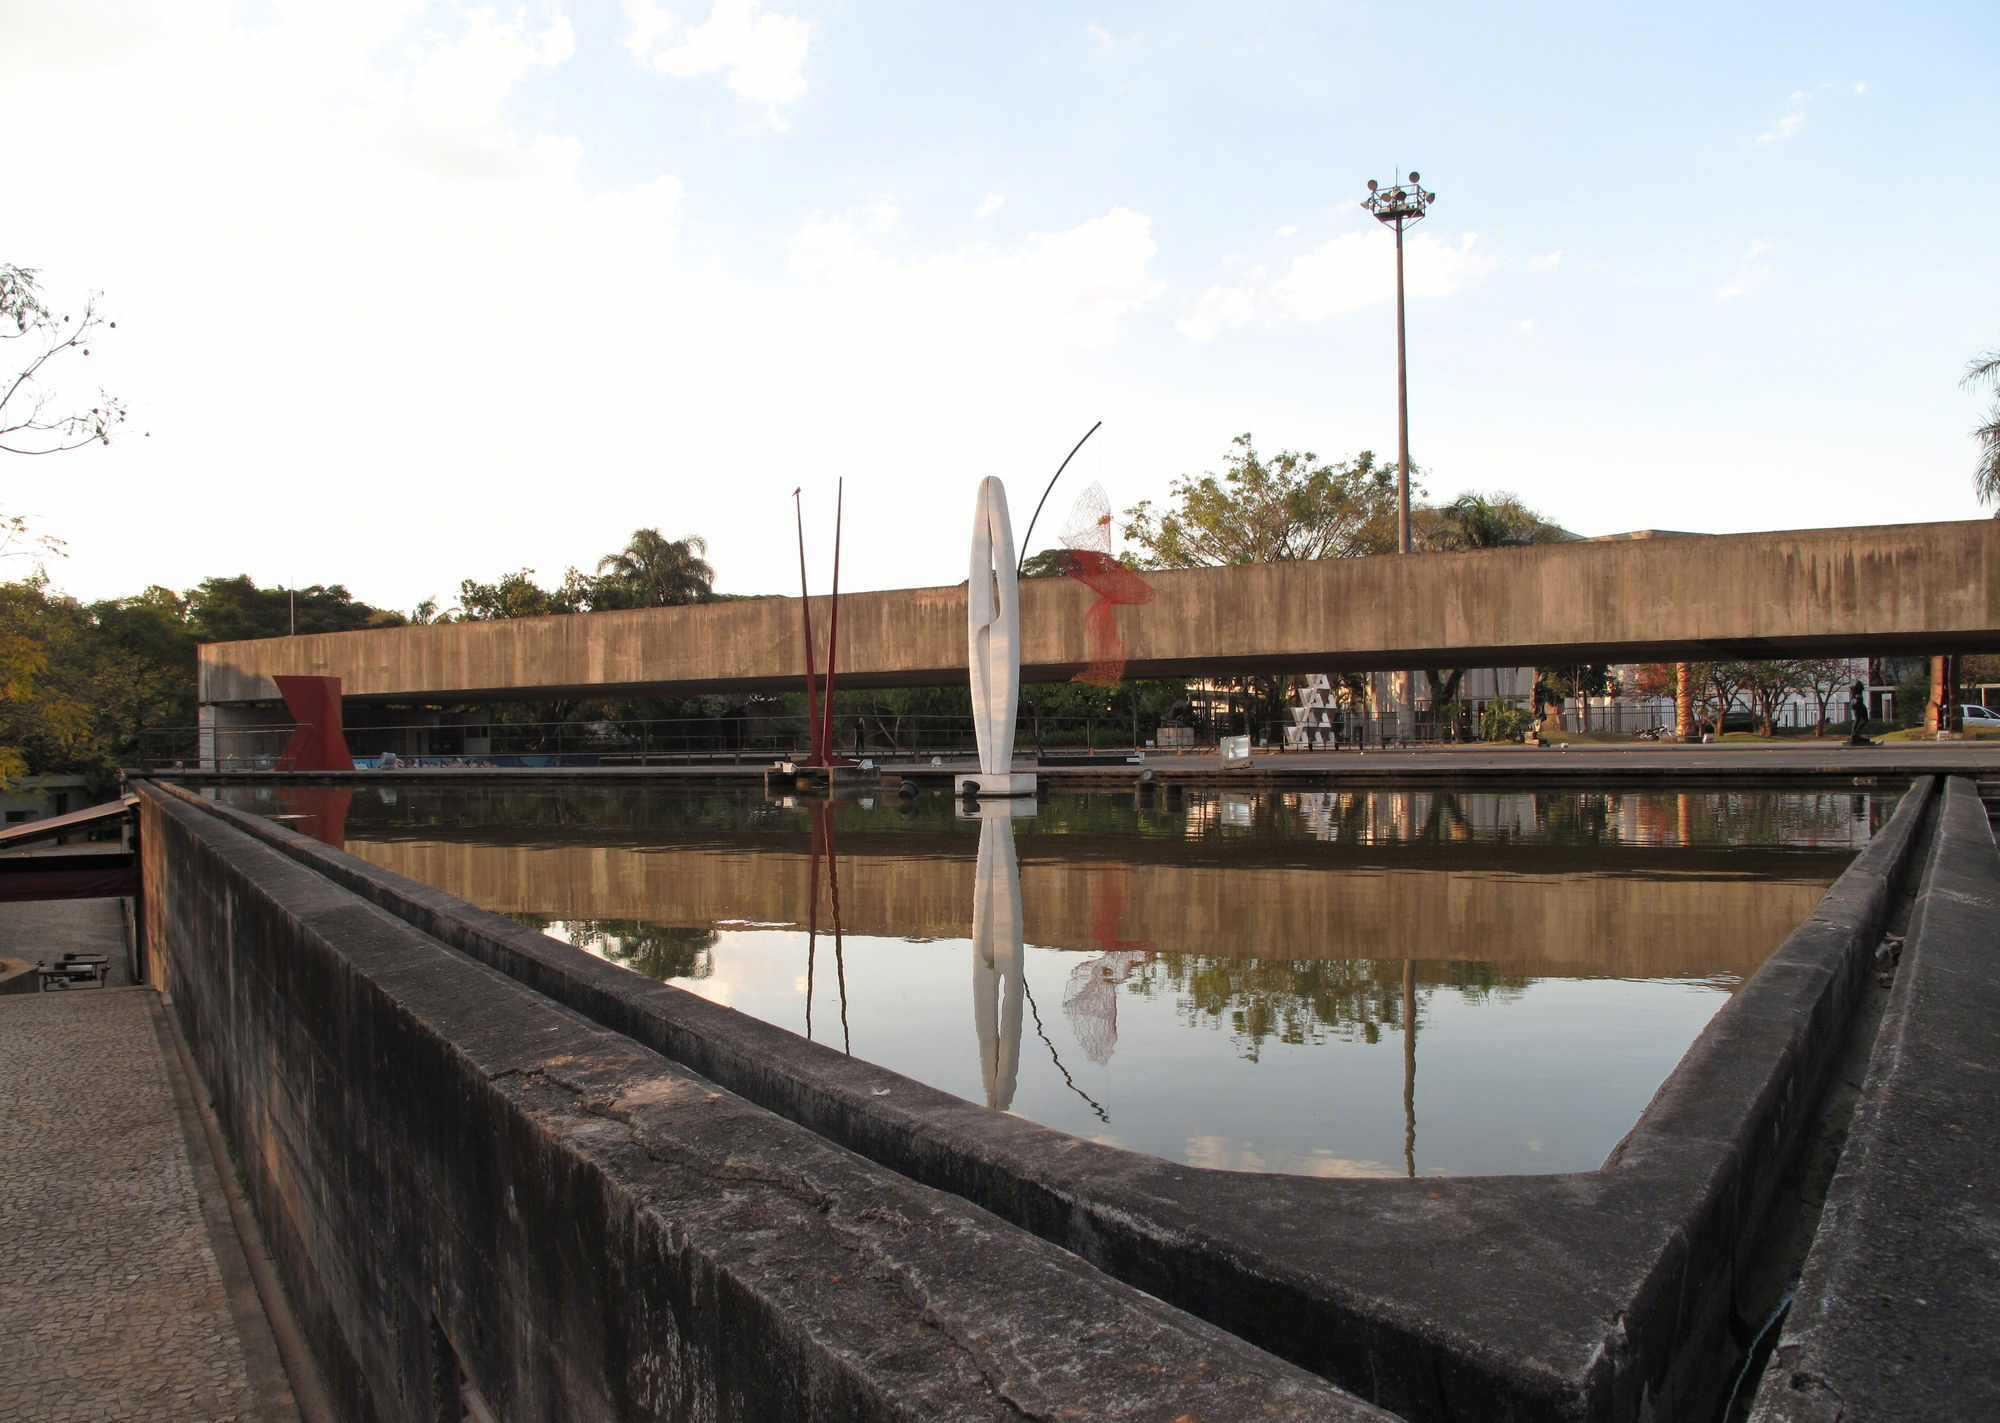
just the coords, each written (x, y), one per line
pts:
(983, 783)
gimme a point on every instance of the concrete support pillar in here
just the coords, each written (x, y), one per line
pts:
(1683, 701)
(231, 737)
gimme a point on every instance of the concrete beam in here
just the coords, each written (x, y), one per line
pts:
(1902, 587)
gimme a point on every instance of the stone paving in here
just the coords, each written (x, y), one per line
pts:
(112, 1304)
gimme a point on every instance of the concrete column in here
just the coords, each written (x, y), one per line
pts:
(222, 734)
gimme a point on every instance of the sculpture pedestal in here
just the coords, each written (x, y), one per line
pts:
(982, 783)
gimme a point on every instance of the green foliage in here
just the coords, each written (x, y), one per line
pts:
(78, 683)
(1504, 720)
(653, 572)
(1985, 369)
(517, 595)
(1049, 563)
(1472, 520)
(1290, 506)
(235, 609)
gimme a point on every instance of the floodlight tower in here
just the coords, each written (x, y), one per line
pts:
(1399, 207)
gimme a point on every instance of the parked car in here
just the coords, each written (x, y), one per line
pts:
(1980, 718)
(1731, 721)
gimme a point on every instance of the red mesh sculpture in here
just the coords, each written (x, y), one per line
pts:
(1087, 536)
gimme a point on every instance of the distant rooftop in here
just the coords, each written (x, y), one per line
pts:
(1646, 534)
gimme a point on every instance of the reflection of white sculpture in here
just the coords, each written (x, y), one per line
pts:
(993, 646)
(997, 958)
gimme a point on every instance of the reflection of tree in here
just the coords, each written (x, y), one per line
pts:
(1306, 1000)
(659, 951)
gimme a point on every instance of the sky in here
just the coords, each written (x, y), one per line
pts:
(409, 293)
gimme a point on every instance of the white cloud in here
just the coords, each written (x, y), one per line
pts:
(1789, 123)
(1546, 262)
(1752, 269)
(1527, 325)
(1101, 35)
(1290, 229)
(1063, 289)
(1861, 86)
(1349, 272)
(989, 205)
(761, 53)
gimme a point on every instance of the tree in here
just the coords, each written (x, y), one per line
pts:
(653, 572)
(81, 683)
(1049, 563)
(1769, 683)
(1986, 478)
(1290, 506)
(1473, 520)
(517, 595)
(1823, 679)
(30, 421)
(236, 609)
(1580, 680)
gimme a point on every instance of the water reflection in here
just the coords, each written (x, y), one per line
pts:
(997, 954)
(1259, 981)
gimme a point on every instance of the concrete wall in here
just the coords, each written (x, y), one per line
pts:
(1917, 587)
(1602, 1295)
(452, 1169)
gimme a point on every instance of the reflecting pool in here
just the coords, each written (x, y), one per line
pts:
(1325, 982)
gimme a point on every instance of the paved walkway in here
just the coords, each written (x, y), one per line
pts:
(114, 1303)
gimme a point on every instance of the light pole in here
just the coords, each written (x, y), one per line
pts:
(1400, 207)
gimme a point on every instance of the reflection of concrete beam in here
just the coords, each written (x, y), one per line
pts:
(1921, 587)
(1565, 925)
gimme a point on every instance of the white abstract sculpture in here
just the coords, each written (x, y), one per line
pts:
(997, 958)
(993, 645)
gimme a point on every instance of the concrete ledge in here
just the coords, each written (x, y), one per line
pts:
(1592, 1295)
(451, 1168)
(1899, 1305)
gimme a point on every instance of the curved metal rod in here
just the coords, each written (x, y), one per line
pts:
(1045, 497)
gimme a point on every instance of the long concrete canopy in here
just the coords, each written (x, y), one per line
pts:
(1914, 588)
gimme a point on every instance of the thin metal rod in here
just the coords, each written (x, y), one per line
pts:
(825, 753)
(839, 949)
(1410, 1067)
(1023, 562)
(805, 612)
(812, 923)
(1402, 412)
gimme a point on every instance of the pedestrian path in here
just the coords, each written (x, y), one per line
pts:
(113, 1303)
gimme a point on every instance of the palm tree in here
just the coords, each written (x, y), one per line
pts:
(654, 572)
(1986, 479)
(1491, 521)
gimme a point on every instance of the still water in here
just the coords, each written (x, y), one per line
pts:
(1350, 983)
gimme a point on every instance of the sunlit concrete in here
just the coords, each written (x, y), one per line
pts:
(1904, 587)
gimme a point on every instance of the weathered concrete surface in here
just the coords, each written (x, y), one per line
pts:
(1525, 909)
(113, 1302)
(1898, 1310)
(448, 1163)
(1920, 587)
(1587, 1296)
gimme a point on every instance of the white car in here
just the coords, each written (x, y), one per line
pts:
(1980, 718)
